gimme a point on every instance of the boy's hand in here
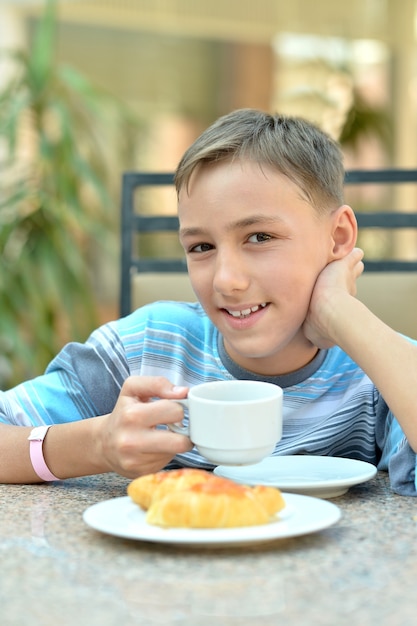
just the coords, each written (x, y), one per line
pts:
(334, 284)
(128, 439)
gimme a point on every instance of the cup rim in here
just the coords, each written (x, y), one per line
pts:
(275, 391)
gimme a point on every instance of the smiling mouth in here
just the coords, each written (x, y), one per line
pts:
(246, 312)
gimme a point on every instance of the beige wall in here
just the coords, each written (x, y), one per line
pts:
(392, 297)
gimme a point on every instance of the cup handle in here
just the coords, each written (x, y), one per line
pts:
(176, 428)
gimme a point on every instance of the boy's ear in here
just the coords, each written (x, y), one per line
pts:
(344, 231)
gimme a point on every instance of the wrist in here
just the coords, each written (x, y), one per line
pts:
(97, 452)
(36, 439)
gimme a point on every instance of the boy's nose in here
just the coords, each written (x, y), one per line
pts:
(230, 274)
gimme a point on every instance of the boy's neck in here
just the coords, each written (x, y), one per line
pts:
(284, 379)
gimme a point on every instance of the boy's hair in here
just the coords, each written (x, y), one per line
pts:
(294, 147)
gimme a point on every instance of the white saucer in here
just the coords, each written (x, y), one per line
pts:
(319, 476)
(123, 518)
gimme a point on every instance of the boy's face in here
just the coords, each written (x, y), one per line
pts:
(254, 248)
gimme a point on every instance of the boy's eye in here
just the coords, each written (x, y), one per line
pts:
(259, 237)
(201, 247)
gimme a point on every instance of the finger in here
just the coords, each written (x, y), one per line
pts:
(152, 448)
(161, 441)
(163, 412)
(149, 464)
(360, 268)
(359, 265)
(146, 387)
(151, 414)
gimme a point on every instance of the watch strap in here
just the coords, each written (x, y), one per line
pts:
(36, 438)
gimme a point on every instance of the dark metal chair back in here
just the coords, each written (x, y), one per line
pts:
(132, 221)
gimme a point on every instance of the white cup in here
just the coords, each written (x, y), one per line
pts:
(233, 422)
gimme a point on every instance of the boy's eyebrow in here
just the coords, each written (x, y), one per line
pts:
(243, 223)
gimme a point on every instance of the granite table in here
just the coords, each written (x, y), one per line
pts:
(56, 570)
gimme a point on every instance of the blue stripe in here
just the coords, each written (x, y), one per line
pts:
(335, 411)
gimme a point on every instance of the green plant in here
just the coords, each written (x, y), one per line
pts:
(364, 120)
(60, 139)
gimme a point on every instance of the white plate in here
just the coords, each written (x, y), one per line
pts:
(123, 518)
(319, 476)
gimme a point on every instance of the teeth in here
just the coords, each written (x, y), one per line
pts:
(247, 312)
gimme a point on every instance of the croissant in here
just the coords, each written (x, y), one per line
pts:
(191, 498)
(151, 487)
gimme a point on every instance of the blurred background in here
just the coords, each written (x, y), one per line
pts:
(92, 88)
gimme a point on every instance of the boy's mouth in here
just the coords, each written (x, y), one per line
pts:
(246, 312)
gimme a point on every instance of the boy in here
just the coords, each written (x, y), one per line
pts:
(271, 255)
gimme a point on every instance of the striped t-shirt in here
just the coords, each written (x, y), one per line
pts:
(330, 406)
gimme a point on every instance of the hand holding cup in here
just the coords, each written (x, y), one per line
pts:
(233, 422)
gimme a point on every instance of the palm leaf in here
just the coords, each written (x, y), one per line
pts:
(53, 206)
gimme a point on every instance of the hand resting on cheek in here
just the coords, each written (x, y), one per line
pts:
(334, 284)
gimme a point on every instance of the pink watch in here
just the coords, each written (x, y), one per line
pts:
(36, 438)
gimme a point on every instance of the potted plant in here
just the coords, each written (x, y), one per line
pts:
(59, 136)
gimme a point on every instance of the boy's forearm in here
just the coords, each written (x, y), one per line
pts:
(386, 357)
(69, 450)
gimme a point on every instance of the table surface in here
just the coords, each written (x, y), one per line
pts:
(57, 570)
